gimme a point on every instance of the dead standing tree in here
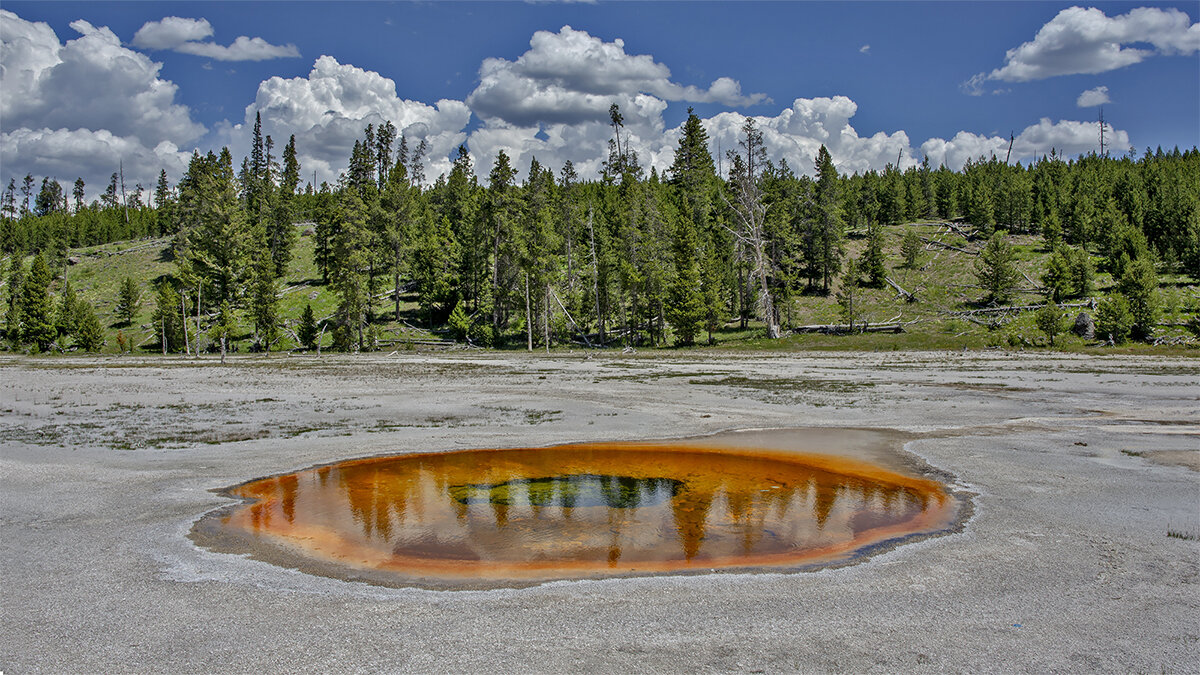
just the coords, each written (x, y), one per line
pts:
(751, 213)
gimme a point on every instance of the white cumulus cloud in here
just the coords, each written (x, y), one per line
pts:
(171, 32)
(83, 107)
(328, 110)
(185, 35)
(797, 132)
(1068, 137)
(1093, 97)
(571, 76)
(1086, 41)
(552, 102)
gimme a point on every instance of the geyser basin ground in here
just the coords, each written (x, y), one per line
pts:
(511, 516)
(1064, 566)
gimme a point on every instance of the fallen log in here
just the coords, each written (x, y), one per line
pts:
(1015, 308)
(909, 297)
(952, 247)
(835, 328)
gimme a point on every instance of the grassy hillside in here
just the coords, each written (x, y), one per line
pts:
(943, 282)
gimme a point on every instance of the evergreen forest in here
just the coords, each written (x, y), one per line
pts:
(726, 250)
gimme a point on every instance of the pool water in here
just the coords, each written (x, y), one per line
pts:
(512, 516)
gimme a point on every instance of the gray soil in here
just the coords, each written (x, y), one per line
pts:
(1079, 468)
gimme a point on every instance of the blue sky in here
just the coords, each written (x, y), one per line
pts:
(898, 74)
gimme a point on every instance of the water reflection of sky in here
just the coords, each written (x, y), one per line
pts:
(604, 509)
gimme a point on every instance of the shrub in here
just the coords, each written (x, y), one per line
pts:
(1049, 321)
(1113, 319)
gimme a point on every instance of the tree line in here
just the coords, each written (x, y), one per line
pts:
(629, 257)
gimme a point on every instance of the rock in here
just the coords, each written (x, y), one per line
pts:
(1084, 326)
(73, 260)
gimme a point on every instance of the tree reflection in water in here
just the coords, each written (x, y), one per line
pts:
(573, 510)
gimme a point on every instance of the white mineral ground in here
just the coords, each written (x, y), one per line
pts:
(1079, 467)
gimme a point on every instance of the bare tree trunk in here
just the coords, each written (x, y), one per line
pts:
(164, 333)
(396, 279)
(124, 201)
(187, 343)
(199, 289)
(222, 349)
(567, 314)
(546, 318)
(528, 316)
(360, 331)
(595, 276)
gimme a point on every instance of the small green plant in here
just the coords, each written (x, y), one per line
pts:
(1180, 534)
(1049, 321)
(910, 248)
(1113, 319)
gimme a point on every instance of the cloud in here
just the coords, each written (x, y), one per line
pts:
(184, 36)
(65, 154)
(571, 77)
(974, 85)
(328, 110)
(82, 107)
(552, 102)
(242, 49)
(1066, 136)
(1086, 41)
(796, 134)
(1093, 97)
(91, 91)
(171, 32)
(865, 49)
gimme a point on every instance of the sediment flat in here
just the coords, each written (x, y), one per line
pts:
(1078, 469)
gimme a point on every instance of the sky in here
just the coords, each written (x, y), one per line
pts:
(86, 88)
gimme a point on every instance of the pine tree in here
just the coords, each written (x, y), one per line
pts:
(910, 248)
(1081, 271)
(1139, 285)
(996, 269)
(1049, 321)
(216, 237)
(66, 319)
(873, 261)
(89, 336)
(826, 248)
(694, 176)
(77, 192)
(16, 282)
(1113, 319)
(50, 199)
(502, 211)
(264, 306)
(167, 319)
(129, 301)
(27, 193)
(37, 324)
(8, 204)
(281, 234)
(224, 328)
(307, 331)
(1057, 277)
(348, 273)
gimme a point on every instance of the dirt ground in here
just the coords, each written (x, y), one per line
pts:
(1082, 552)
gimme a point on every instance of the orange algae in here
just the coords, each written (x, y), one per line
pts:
(581, 511)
